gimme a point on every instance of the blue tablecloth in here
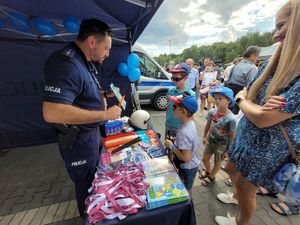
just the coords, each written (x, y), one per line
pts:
(177, 214)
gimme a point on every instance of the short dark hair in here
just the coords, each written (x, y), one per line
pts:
(188, 112)
(93, 27)
(251, 50)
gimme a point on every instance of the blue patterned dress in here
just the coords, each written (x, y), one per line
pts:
(259, 153)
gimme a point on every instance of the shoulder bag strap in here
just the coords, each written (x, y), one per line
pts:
(230, 74)
(288, 141)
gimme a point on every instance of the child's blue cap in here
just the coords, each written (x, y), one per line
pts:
(189, 102)
(227, 92)
(181, 68)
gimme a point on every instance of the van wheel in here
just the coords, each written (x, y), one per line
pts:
(160, 101)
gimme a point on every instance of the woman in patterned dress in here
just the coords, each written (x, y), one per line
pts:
(259, 149)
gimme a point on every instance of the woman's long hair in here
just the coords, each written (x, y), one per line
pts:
(285, 62)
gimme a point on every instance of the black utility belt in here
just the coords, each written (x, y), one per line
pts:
(67, 135)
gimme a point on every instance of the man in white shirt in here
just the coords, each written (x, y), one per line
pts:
(193, 76)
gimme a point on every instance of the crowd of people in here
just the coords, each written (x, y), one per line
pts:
(246, 108)
(255, 145)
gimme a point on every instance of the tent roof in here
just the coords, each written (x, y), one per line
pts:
(269, 50)
(121, 15)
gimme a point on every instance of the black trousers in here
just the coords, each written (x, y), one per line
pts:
(236, 89)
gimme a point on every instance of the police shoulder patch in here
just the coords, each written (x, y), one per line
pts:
(68, 52)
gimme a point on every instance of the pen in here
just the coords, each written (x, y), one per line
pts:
(121, 101)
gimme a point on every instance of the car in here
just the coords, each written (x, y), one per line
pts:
(154, 82)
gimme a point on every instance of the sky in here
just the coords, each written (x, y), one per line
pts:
(179, 24)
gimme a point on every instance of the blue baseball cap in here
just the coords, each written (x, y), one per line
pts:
(189, 102)
(180, 68)
(227, 92)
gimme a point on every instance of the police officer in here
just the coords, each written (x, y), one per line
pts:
(72, 99)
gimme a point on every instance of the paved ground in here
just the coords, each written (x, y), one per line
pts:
(35, 189)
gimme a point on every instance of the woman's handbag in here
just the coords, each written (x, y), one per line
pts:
(287, 179)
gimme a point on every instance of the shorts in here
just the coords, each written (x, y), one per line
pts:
(203, 95)
(188, 176)
(210, 99)
(216, 149)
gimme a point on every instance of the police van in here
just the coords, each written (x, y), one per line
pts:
(154, 82)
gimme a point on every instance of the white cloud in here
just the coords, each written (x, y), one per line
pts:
(184, 23)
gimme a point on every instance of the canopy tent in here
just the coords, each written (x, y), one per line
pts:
(23, 54)
(267, 52)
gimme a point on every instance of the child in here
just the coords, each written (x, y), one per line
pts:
(218, 132)
(208, 77)
(186, 146)
(179, 77)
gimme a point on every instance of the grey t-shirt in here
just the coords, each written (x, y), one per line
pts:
(187, 139)
(243, 73)
(220, 126)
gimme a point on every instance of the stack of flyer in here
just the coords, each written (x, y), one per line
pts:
(157, 166)
(166, 187)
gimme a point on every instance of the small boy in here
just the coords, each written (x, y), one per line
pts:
(179, 77)
(218, 132)
(186, 146)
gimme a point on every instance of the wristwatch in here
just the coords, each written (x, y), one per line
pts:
(240, 99)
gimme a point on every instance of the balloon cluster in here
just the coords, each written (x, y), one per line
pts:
(130, 69)
(41, 26)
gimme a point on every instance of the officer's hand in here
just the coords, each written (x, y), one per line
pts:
(110, 93)
(113, 112)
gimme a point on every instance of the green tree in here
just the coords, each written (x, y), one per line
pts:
(220, 51)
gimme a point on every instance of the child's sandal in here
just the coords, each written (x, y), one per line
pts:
(203, 174)
(208, 181)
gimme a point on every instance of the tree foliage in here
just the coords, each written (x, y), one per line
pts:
(219, 51)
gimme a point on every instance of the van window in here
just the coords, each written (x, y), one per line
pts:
(147, 67)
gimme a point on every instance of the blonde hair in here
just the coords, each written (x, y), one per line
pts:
(285, 62)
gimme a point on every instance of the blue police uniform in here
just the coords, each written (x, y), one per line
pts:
(70, 79)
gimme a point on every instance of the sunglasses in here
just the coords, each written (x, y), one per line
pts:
(177, 107)
(176, 79)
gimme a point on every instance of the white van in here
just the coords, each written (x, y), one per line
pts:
(154, 82)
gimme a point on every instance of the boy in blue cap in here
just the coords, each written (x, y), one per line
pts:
(218, 132)
(186, 146)
(179, 77)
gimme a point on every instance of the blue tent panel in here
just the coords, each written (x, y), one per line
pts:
(22, 58)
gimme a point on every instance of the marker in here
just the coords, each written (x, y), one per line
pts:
(121, 101)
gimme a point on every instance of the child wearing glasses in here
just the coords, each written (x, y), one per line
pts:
(179, 77)
(186, 146)
(218, 132)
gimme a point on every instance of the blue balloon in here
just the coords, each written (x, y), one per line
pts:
(133, 60)
(123, 69)
(71, 24)
(44, 27)
(19, 22)
(134, 74)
